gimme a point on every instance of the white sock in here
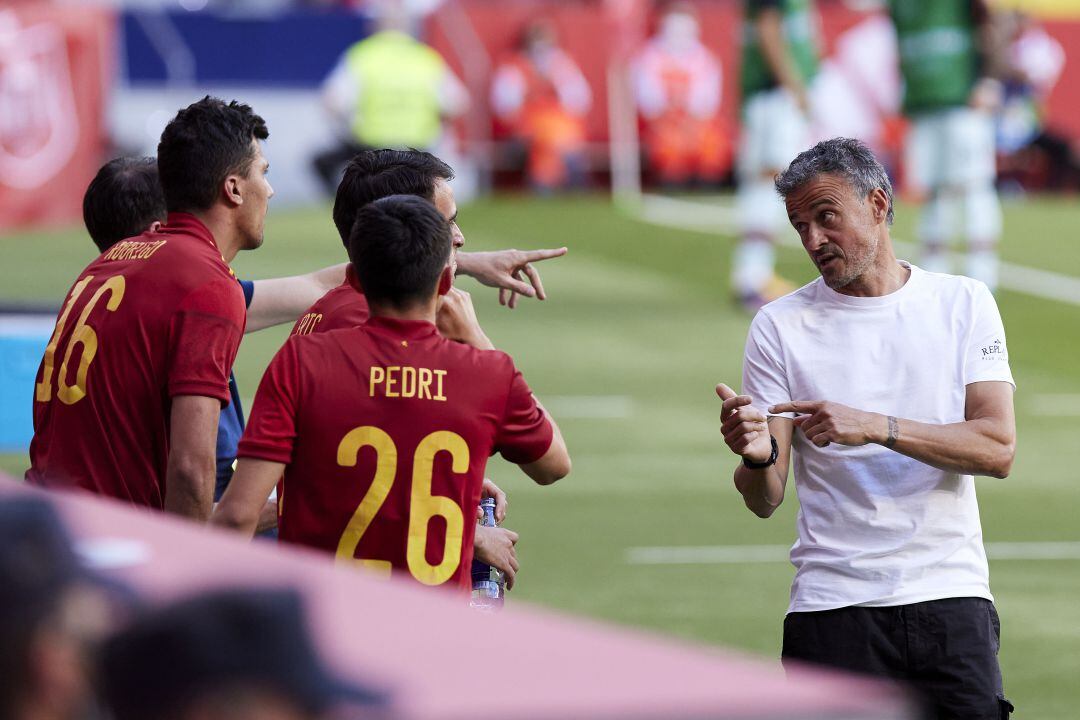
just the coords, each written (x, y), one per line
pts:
(752, 266)
(983, 265)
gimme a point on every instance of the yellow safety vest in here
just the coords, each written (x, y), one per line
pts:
(398, 78)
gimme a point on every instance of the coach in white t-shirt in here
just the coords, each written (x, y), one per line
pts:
(889, 388)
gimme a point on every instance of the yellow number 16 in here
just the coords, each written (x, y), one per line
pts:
(83, 335)
(423, 506)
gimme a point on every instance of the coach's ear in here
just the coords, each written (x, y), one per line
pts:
(352, 279)
(154, 227)
(446, 280)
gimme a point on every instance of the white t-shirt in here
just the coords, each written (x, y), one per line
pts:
(876, 527)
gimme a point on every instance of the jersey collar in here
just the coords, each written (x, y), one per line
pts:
(188, 224)
(405, 329)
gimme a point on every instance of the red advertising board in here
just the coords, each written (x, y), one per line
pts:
(55, 68)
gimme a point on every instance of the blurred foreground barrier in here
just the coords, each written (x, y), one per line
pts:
(438, 660)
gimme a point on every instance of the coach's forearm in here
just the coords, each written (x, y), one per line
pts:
(762, 490)
(983, 446)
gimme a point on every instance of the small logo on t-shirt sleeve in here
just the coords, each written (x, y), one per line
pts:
(995, 351)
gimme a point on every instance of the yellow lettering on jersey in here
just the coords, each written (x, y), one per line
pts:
(376, 377)
(133, 250)
(405, 381)
(423, 389)
(391, 380)
(408, 382)
(308, 323)
(440, 374)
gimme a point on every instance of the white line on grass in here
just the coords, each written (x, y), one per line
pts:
(750, 554)
(589, 407)
(721, 218)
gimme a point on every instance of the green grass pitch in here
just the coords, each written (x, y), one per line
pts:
(642, 314)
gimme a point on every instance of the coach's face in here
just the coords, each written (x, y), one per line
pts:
(445, 204)
(256, 193)
(839, 229)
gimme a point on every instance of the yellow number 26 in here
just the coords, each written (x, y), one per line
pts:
(423, 505)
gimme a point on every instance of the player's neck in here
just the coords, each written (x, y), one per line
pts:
(226, 236)
(419, 312)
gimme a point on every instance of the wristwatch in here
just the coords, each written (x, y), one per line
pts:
(767, 463)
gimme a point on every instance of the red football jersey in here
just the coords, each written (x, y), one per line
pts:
(153, 317)
(342, 307)
(385, 431)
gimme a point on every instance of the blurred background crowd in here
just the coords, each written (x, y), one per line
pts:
(513, 93)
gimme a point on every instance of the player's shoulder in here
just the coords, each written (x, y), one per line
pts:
(490, 364)
(950, 289)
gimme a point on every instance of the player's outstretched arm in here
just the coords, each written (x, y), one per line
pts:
(509, 270)
(244, 500)
(282, 300)
(749, 433)
(983, 444)
(555, 463)
(191, 469)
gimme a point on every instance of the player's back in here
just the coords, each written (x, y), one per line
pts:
(152, 317)
(341, 307)
(387, 437)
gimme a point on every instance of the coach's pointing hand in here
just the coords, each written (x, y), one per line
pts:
(745, 428)
(827, 422)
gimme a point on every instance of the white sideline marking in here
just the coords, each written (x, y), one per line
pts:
(721, 218)
(749, 554)
(1055, 405)
(589, 407)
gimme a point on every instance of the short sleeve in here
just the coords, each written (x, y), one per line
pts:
(525, 433)
(249, 291)
(271, 429)
(764, 377)
(204, 336)
(986, 357)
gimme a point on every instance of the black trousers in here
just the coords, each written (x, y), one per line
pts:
(945, 649)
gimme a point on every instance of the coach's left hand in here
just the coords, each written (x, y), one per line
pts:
(824, 422)
(508, 270)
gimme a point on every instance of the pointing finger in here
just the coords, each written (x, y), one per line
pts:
(724, 391)
(537, 255)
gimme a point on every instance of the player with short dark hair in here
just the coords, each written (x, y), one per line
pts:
(226, 137)
(381, 428)
(133, 380)
(123, 200)
(374, 174)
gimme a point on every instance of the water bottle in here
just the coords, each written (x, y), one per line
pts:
(488, 583)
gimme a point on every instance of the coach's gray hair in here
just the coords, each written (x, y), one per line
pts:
(848, 158)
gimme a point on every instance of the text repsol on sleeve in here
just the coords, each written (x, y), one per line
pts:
(405, 381)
